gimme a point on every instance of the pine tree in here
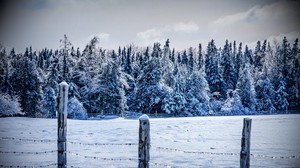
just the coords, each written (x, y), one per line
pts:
(156, 50)
(26, 83)
(106, 94)
(197, 93)
(280, 97)
(127, 66)
(245, 88)
(49, 103)
(238, 63)
(150, 91)
(190, 64)
(228, 72)
(248, 56)
(65, 49)
(260, 66)
(184, 58)
(5, 86)
(264, 94)
(213, 76)
(200, 58)
(175, 103)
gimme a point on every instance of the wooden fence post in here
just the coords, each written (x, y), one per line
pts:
(62, 125)
(144, 141)
(245, 144)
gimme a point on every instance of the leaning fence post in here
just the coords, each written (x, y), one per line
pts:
(144, 141)
(62, 125)
(245, 144)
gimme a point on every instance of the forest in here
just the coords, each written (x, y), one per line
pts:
(198, 81)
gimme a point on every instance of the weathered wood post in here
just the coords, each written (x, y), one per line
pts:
(245, 144)
(62, 125)
(144, 141)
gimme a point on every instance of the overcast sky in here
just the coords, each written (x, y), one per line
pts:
(42, 23)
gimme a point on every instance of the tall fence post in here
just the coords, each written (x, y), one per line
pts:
(144, 141)
(245, 144)
(62, 125)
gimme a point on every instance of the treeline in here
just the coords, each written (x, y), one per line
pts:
(157, 79)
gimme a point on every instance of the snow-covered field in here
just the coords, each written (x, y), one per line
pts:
(175, 142)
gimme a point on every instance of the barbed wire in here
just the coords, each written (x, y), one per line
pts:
(161, 164)
(71, 142)
(135, 144)
(101, 158)
(36, 153)
(14, 166)
(27, 140)
(103, 144)
(225, 153)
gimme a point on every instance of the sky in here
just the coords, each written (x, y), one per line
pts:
(42, 23)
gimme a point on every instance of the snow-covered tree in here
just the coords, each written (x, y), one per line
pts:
(233, 104)
(245, 88)
(27, 85)
(280, 96)
(197, 93)
(76, 109)
(150, 90)
(9, 106)
(49, 103)
(200, 58)
(190, 65)
(228, 72)
(65, 50)
(106, 94)
(175, 103)
(213, 75)
(264, 94)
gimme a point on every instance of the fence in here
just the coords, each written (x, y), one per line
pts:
(143, 144)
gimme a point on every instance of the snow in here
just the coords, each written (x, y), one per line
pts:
(172, 141)
(64, 84)
(144, 117)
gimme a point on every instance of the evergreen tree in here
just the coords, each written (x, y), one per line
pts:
(184, 58)
(156, 50)
(106, 94)
(213, 76)
(5, 86)
(245, 88)
(228, 70)
(49, 103)
(127, 66)
(173, 56)
(233, 104)
(26, 83)
(175, 103)
(248, 56)
(238, 63)
(264, 94)
(200, 58)
(65, 49)
(190, 65)
(197, 92)
(280, 97)
(259, 61)
(150, 91)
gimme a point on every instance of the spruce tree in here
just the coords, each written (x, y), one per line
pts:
(26, 83)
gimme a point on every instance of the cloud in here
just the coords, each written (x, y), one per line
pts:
(101, 36)
(275, 12)
(189, 27)
(157, 34)
(249, 16)
(104, 36)
(291, 37)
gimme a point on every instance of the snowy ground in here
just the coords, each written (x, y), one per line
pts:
(175, 142)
